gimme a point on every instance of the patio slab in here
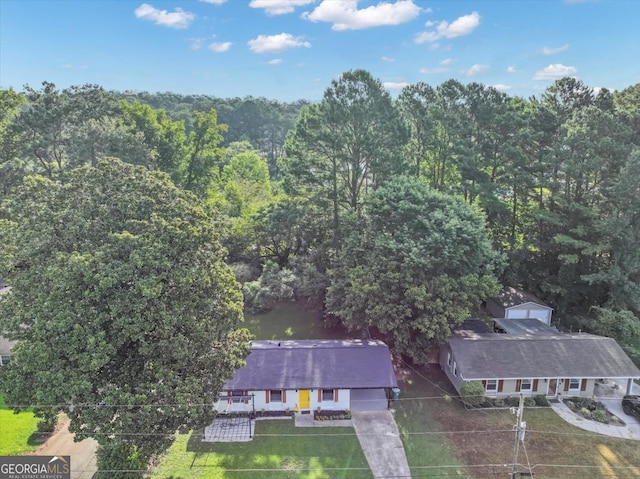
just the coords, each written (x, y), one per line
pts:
(229, 429)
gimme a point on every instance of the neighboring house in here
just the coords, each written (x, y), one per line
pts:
(5, 350)
(548, 363)
(311, 374)
(513, 304)
(5, 345)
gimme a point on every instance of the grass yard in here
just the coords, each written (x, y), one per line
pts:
(16, 431)
(291, 321)
(486, 437)
(311, 453)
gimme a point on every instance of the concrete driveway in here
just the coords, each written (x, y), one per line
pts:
(380, 441)
(83, 453)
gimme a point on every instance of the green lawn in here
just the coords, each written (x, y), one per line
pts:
(451, 435)
(424, 443)
(15, 431)
(291, 321)
(311, 453)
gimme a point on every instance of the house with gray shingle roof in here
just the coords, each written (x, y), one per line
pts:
(546, 363)
(307, 375)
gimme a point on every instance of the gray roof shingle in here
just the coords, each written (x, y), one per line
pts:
(314, 364)
(505, 356)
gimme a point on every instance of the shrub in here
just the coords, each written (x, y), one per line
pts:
(114, 456)
(514, 402)
(585, 412)
(541, 400)
(497, 402)
(273, 285)
(47, 422)
(529, 402)
(600, 415)
(472, 393)
(45, 425)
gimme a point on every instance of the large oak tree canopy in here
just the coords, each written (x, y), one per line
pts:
(125, 312)
(413, 265)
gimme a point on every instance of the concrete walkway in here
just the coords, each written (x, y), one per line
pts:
(380, 441)
(612, 400)
(83, 453)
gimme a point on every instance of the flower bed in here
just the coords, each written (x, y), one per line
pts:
(259, 414)
(323, 415)
(593, 410)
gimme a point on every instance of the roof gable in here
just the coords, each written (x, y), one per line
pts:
(509, 297)
(314, 364)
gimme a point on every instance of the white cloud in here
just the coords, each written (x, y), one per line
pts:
(430, 71)
(278, 7)
(461, 26)
(475, 69)
(511, 70)
(429, 24)
(502, 87)
(220, 47)
(388, 59)
(554, 71)
(390, 85)
(276, 43)
(275, 61)
(345, 15)
(196, 43)
(177, 19)
(552, 51)
(215, 2)
(447, 61)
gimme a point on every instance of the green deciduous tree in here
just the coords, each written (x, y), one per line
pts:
(413, 266)
(11, 166)
(164, 137)
(124, 310)
(204, 155)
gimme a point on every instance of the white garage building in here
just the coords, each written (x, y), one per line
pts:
(511, 303)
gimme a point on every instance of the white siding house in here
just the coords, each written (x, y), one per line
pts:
(304, 376)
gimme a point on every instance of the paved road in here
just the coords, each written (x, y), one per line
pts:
(380, 440)
(83, 453)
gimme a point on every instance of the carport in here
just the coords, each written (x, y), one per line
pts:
(369, 400)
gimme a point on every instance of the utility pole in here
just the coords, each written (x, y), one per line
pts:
(520, 430)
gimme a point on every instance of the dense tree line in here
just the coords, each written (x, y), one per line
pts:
(394, 215)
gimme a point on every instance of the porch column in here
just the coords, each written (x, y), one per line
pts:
(629, 386)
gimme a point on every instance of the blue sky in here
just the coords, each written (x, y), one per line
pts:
(292, 49)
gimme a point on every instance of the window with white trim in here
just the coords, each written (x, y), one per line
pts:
(449, 360)
(492, 385)
(455, 368)
(525, 385)
(574, 384)
(275, 395)
(327, 394)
